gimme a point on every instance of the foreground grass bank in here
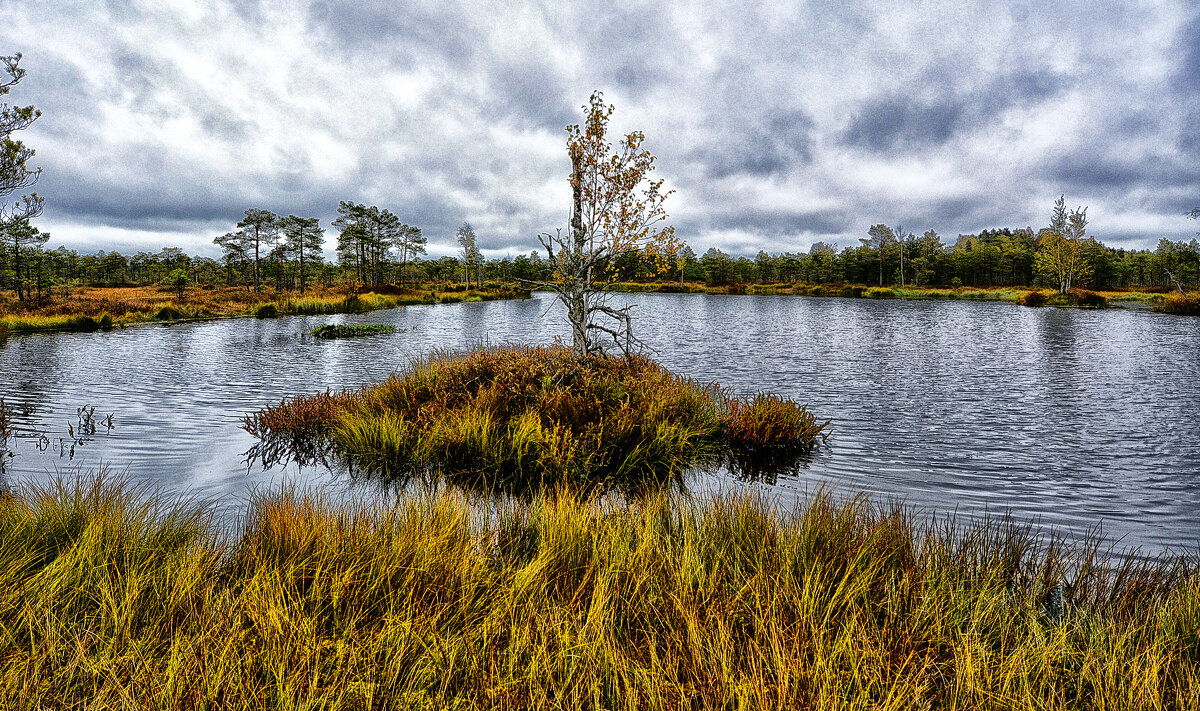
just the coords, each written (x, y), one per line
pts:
(94, 308)
(521, 419)
(111, 597)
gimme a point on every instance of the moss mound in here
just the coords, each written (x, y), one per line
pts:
(168, 313)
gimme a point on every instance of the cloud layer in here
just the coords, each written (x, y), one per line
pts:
(777, 126)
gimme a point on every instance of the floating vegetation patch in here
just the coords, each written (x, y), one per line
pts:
(767, 434)
(522, 419)
(351, 330)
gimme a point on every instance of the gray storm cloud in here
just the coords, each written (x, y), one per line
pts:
(777, 126)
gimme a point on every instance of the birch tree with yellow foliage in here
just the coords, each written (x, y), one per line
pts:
(615, 209)
(1061, 256)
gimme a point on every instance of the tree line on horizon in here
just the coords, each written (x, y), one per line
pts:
(372, 251)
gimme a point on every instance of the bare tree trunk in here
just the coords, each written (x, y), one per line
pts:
(577, 293)
(256, 243)
(1178, 286)
(17, 269)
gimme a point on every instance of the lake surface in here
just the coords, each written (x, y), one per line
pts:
(1076, 418)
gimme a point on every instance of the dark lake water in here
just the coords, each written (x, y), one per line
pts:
(1076, 418)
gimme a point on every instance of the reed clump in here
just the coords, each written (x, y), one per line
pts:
(523, 419)
(766, 433)
(1179, 305)
(115, 597)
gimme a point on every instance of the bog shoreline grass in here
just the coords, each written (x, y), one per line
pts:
(115, 596)
(1014, 294)
(101, 308)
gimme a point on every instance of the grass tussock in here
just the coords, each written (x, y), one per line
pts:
(351, 330)
(20, 323)
(1179, 305)
(114, 598)
(524, 419)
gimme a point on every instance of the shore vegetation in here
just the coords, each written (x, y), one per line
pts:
(93, 308)
(117, 596)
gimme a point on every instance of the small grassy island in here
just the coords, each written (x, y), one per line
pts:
(351, 330)
(525, 419)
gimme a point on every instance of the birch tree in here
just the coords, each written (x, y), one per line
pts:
(1060, 255)
(470, 250)
(615, 209)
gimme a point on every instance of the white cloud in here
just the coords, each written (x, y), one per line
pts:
(777, 125)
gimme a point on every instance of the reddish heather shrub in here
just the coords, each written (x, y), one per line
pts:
(1032, 298)
(1179, 305)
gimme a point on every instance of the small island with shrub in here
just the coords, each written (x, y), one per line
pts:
(351, 330)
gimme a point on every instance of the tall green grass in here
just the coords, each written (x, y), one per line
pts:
(26, 323)
(114, 597)
(522, 419)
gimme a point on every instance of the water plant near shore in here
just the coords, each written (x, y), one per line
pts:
(523, 419)
(114, 596)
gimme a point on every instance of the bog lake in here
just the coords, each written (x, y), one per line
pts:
(1072, 418)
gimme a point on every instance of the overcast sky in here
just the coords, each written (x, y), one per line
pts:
(777, 127)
